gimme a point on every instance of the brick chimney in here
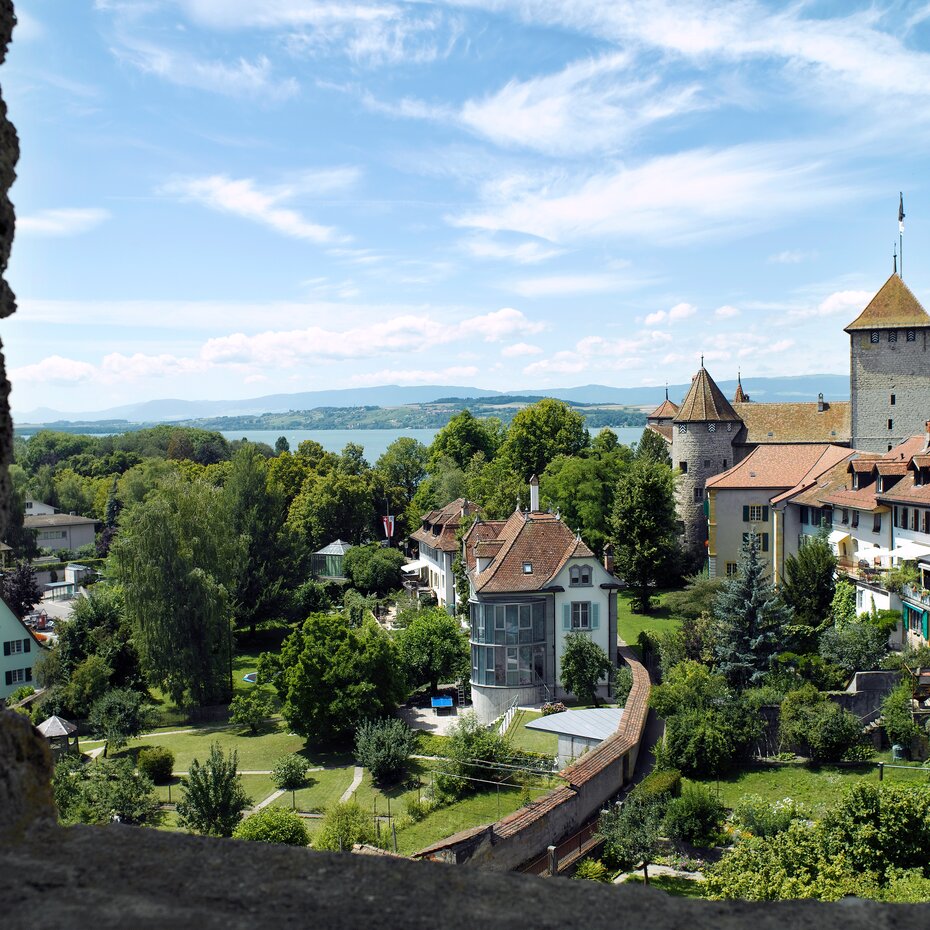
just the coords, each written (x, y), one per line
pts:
(820, 404)
(534, 494)
(609, 558)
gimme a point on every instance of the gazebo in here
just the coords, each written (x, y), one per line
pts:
(58, 732)
(327, 563)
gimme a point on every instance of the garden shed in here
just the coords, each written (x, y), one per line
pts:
(579, 730)
(327, 563)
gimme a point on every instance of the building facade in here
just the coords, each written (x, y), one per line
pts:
(20, 652)
(437, 543)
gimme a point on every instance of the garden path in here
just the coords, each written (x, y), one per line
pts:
(356, 781)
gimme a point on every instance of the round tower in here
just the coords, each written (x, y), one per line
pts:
(703, 432)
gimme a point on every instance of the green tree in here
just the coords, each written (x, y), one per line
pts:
(344, 825)
(403, 467)
(854, 646)
(257, 512)
(289, 773)
(809, 584)
(472, 750)
(460, 439)
(645, 528)
(212, 796)
(20, 590)
(384, 747)
(751, 621)
(331, 506)
(540, 432)
(652, 447)
(374, 569)
(584, 665)
(251, 709)
(88, 682)
(843, 605)
(496, 486)
(812, 723)
(898, 717)
(696, 599)
(332, 676)
(103, 791)
(631, 834)
(281, 445)
(177, 559)
(434, 648)
(118, 716)
(273, 825)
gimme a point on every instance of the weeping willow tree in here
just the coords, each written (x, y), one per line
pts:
(177, 558)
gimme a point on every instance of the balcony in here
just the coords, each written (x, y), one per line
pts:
(861, 570)
(916, 594)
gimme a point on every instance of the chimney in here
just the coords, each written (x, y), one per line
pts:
(534, 494)
(609, 558)
(820, 404)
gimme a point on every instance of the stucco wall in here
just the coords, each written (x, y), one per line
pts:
(730, 526)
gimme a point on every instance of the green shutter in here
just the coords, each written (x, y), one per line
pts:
(566, 616)
(765, 542)
(924, 624)
(746, 513)
(706, 506)
(595, 620)
(27, 645)
(765, 515)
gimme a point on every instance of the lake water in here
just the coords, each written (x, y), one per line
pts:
(375, 441)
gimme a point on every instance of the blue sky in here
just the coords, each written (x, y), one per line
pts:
(227, 198)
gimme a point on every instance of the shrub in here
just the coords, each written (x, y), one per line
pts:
(157, 762)
(251, 709)
(696, 816)
(592, 870)
(665, 784)
(274, 825)
(344, 825)
(289, 773)
(556, 707)
(20, 694)
(898, 717)
(623, 683)
(416, 809)
(755, 815)
(854, 646)
(811, 722)
(384, 748)
(469, 740)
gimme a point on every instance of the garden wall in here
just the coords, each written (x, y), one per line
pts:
(592, 781)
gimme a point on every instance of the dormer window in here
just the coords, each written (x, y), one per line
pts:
(579, 576)
(879, 483)
(527, 568)
(855, 481)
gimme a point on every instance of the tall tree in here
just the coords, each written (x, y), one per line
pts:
(645, 528)
(257, 513)
(434, 648)
(212, 796)
(653, 448)
(584, 664)
(809, 584)
(20, 589)
(751, 621)
(631, 833)
(336, 505)
(462, 438)
(402, 467)
(177, 557)
(540, 432)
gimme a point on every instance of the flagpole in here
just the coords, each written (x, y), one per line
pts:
(901, 231)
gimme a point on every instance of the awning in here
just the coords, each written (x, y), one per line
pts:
(910, 551)
(837, 536)
(871, 551)
(413, 567)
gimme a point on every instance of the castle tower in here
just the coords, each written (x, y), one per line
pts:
(889, 369)
(703, 433)
(740, 397)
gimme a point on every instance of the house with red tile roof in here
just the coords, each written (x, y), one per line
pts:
(532, 581)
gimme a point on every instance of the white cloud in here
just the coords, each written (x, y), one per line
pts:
(563, 285)
(850, 303)
(677, 313)
(61, 222)
(56, 369)
(242, 197)
(519, 349)
(726, 312)
(790, 257)
(497, 325)
(523, 253)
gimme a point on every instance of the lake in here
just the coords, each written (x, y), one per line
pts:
(375, 441)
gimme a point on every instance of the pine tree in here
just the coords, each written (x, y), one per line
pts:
(751, 621)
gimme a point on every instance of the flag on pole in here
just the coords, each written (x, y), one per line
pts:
(901, 213)
(388, 522)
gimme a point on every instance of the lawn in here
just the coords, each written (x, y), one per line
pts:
(373, 798)
(257, 787)
(630, 624)
(672, 884)
(546, 744)
(324, 789)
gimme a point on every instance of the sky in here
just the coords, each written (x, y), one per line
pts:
(229, 198)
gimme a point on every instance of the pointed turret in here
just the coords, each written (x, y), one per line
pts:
(893, 307)
(740, 397)
(705, 402)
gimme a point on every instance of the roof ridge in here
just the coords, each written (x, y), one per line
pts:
(893, 305)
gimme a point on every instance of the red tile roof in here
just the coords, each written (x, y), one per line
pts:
(665, 411)
(441, 526)
(777, 466)
(795, 422)
(893, 306)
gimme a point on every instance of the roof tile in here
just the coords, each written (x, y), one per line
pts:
(893, 306)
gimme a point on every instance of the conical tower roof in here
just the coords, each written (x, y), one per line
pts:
(892, 307)
(705, 402)
(664, 412)
(740, 397)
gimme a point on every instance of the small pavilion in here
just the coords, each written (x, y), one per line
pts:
(58, 732)
(579, 730)
(327, 563)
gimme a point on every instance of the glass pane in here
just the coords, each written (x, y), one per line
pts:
(512, 617)
(526, 636)
(499, 637)
(539, 661)
(526, 616)
(499, 621)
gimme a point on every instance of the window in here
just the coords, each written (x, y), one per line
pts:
(763, 540)
(844, 516)
(724, 463)
(28, 505)
(915, 519)
(682, 427)
(926, 526)
(579, 575)
(904, 516)
(911, 336)
(581, 615)
(873, 336)
(859, 598)
(890, 423)
(892, 400)
(683, 467)
(707, 463)
(711, 427)
(877, 523)
(880, 479)
(732, 569)
(893, 335)
(527, 568)
(855, 481)
(805, 516)
(15, 647)
(757, 513)
(855, 518)
(18, 676)
(698, 495)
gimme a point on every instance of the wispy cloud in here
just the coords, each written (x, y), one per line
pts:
(680, 311)
(847, 302)
(519, 349)
(566, 284)
(789, 257)
(61, 222)
(242, 197)
(523, 253)
(726, 312)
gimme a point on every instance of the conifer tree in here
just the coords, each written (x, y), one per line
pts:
(751, 621)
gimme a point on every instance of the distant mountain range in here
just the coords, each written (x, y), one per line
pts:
(799, 388)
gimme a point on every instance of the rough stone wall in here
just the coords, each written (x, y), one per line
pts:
(878, 370)
(9, 155)
(697, 446)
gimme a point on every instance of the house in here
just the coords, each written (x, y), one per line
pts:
(37, 508)
(21, 649)
(62, 530)
(531, 582)
(438, 544)
(579, 730)
(753, 496)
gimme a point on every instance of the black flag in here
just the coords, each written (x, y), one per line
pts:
(901, 213)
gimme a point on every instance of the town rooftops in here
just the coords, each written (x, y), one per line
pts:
(440, 526)
(704, 402)
(795, 422)
(590, 723)
(34, 521)
(776, 467)
(892, 307)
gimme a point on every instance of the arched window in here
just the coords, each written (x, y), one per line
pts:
(579, 576)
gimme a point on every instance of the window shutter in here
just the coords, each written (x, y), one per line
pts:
(595, 620)
(765, 542)
(27, 646)
(566, 616)
(9, 678)
(924, 624)
(28, 674)
(745, 513)
(765, 514)
(6, 650)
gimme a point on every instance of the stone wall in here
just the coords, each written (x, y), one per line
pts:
(9, 155)
(593, 780)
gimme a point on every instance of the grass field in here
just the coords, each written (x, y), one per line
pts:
(323, 790)
(531, 740)
(630, 624)
(671, 884)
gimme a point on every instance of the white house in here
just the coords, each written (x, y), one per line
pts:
(21, 649)
(437, 543)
